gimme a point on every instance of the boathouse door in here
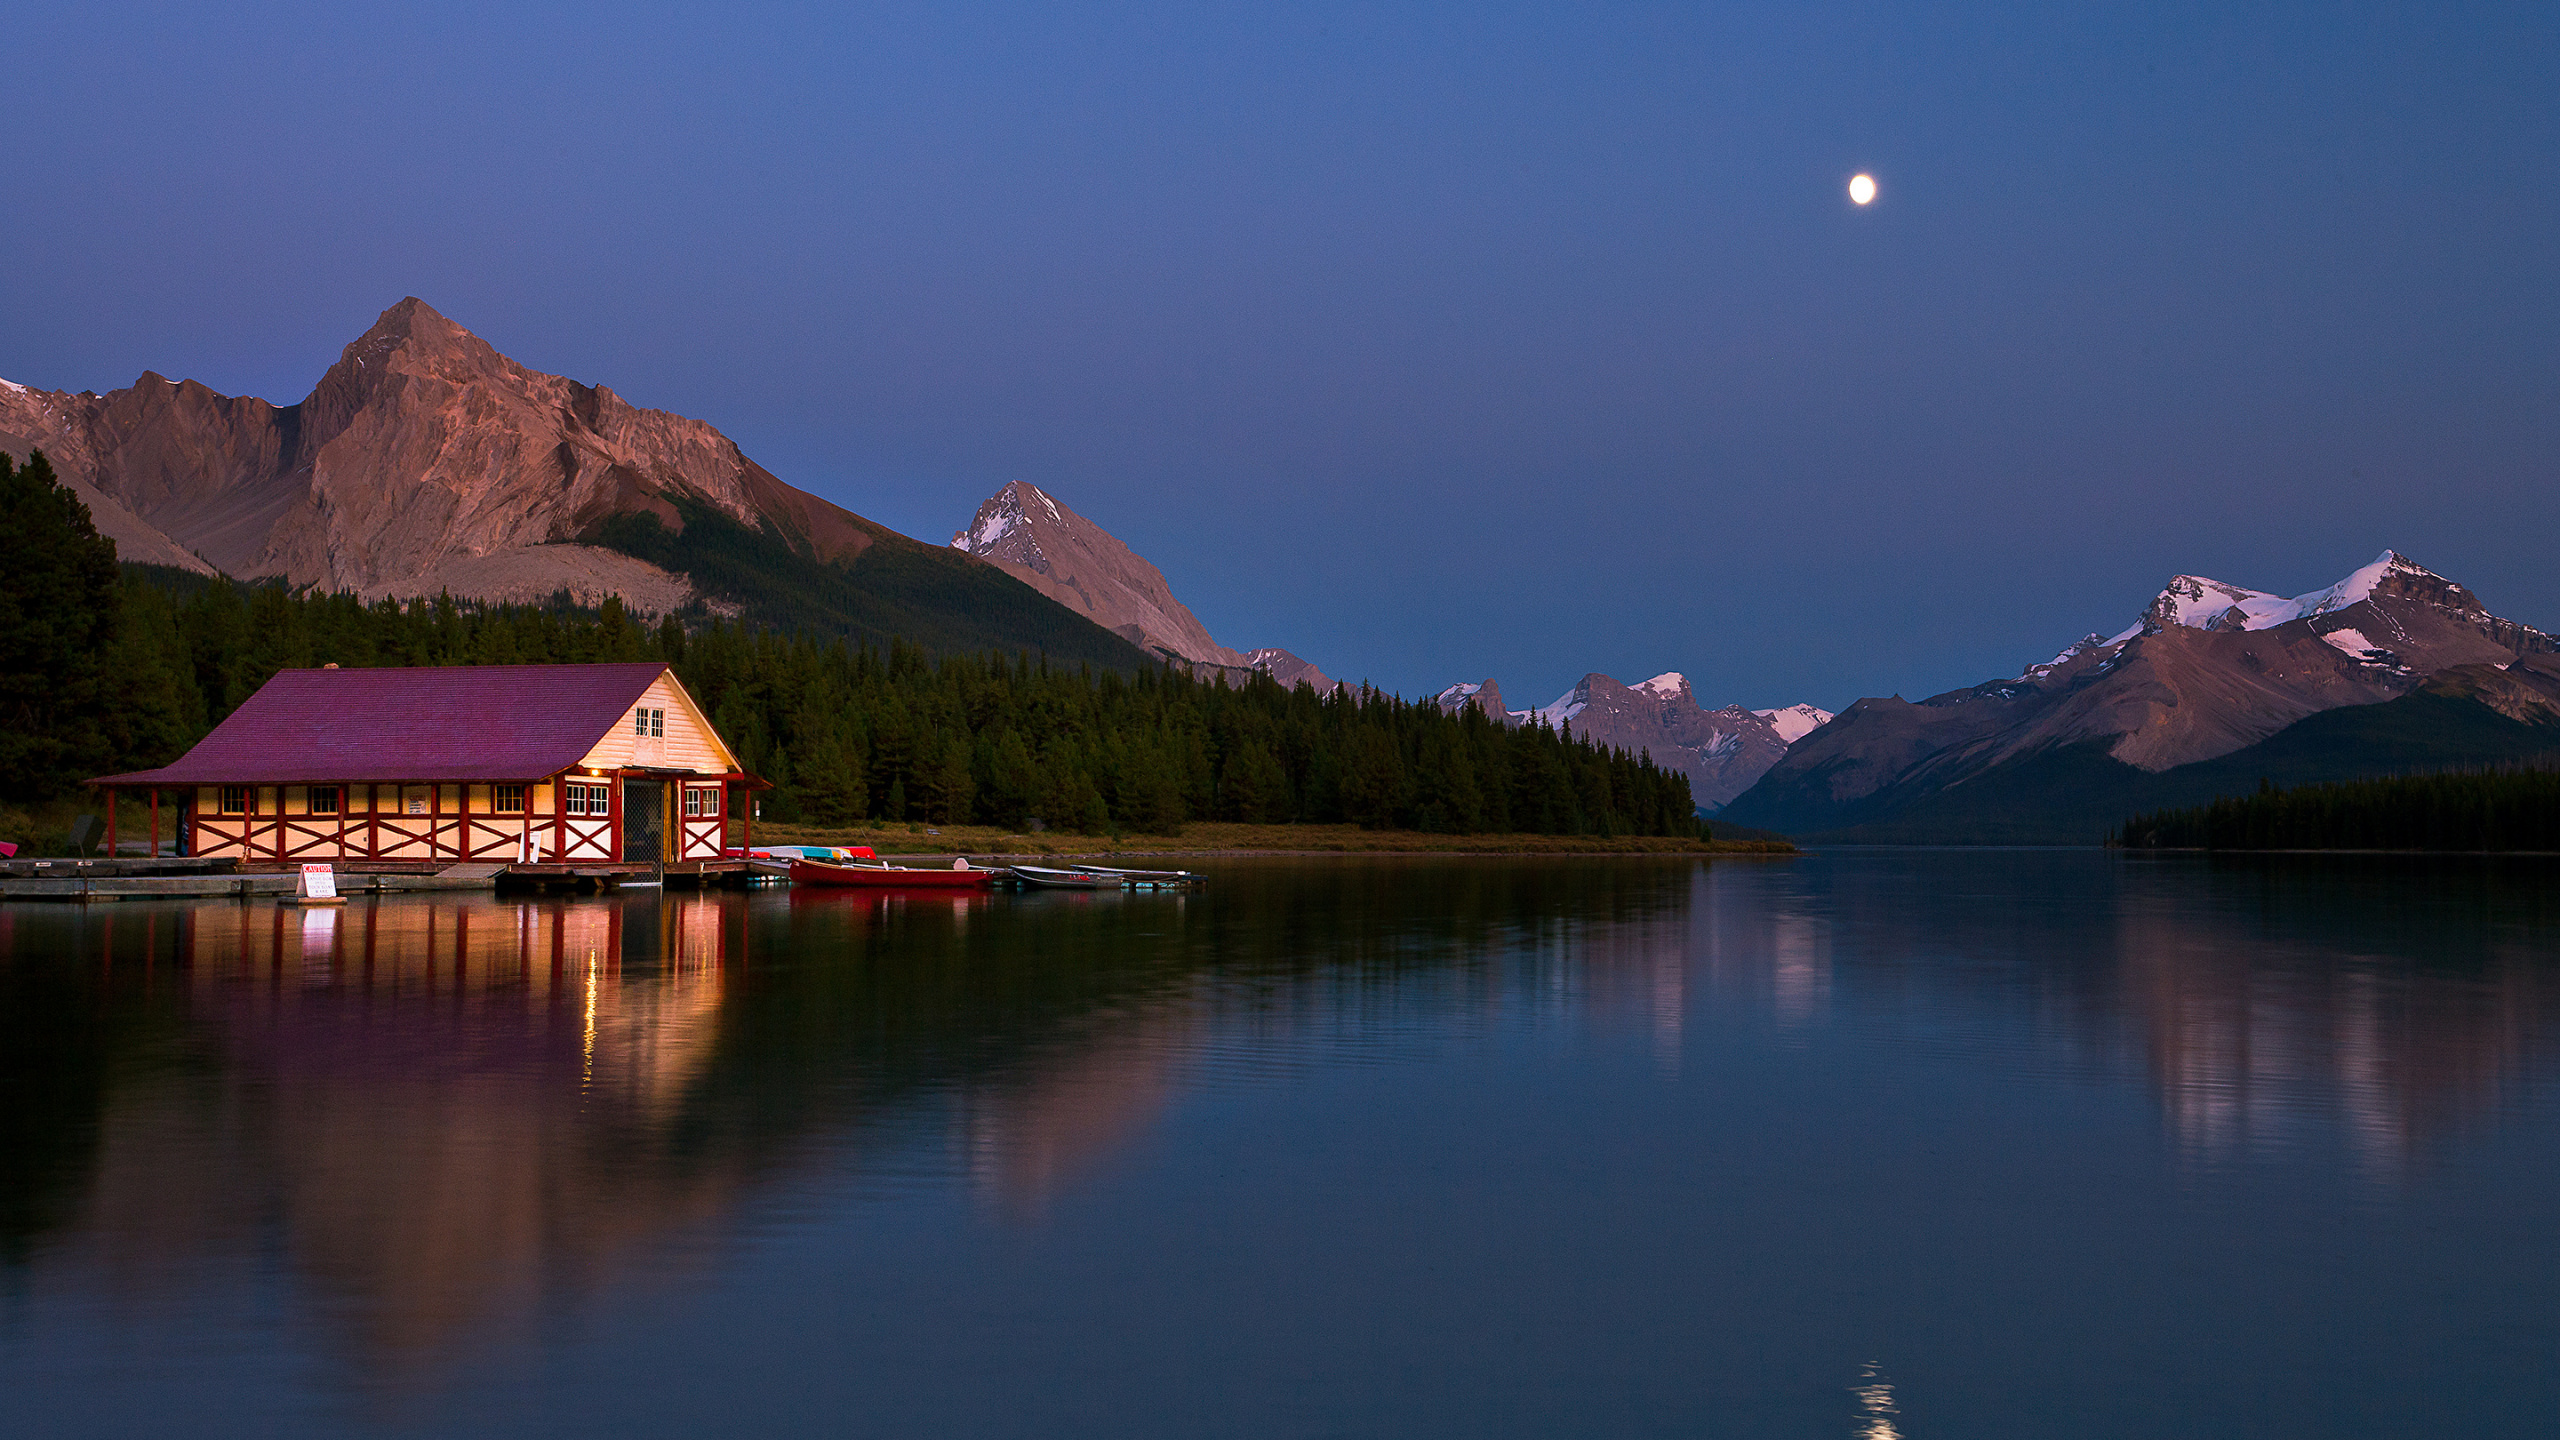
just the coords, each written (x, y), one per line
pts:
(644, 821)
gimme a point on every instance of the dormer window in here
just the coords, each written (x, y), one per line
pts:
(649, 722)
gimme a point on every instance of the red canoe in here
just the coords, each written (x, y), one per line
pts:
(888, 877)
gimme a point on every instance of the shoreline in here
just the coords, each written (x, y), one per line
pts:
(1226, 839)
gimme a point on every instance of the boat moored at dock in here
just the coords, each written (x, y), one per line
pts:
(1146, 879)
(884, 876)
(1044, 878)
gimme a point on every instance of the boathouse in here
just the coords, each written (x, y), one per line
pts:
(513, 764)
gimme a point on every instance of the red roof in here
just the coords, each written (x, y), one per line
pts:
(450, 722)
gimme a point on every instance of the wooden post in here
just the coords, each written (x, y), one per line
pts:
(435, 817)
(524, 847)
(111, 821)
(613, 809)
(345, 793)
(155, 822)
(559, 816)
(372, 821)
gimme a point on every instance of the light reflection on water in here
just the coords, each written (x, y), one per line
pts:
(428, 1129)
(1875, 1405)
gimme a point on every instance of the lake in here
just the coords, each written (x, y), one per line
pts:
(1862, 1144)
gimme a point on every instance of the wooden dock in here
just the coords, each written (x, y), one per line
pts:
(171, 878)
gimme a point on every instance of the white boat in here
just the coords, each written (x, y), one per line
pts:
(1046, 878)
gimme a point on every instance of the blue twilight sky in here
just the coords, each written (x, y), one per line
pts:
(1431, 342)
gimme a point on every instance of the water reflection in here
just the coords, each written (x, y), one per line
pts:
(2385, 1003)
(440, 1118)
(2296, 996)
(436, 1112)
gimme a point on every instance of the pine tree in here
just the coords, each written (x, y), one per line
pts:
(1254, 789)
(60, 599)
(1373, 780)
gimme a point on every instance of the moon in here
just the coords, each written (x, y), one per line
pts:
(1862, 189)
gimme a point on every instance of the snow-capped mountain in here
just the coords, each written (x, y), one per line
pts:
(1722, 751)
(2204, 604)
(2210, 668)
(1025, 531)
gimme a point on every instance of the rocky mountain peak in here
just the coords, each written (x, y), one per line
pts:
(1483, 695)
(1025, 531)
(2394, 576)
(410, 338)
(423, 460)
(1289, 670)
(1009, 526)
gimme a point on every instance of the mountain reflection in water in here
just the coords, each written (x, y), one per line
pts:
(438, 1120)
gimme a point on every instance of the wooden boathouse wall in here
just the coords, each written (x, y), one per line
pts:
(657, 751)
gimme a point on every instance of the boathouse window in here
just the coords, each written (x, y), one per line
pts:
(324, 799)
(701, 800)
(649, 721)
(507, 799)
(235, 799)
(589, 800)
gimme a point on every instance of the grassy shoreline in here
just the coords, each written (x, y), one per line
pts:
(1206, 838)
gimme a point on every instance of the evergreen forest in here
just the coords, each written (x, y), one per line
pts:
(2506, 808)
(107, 668)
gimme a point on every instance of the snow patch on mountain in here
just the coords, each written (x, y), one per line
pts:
(1665, 686)
(2353, 643)
(982, 537)
(2202, 604)
(1795, 721)
(1567, 705)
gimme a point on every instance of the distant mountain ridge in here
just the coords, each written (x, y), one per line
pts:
(2211, 670)
(1721, 751)
(424, 461)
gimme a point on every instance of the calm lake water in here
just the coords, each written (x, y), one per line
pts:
(1866, 1144)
